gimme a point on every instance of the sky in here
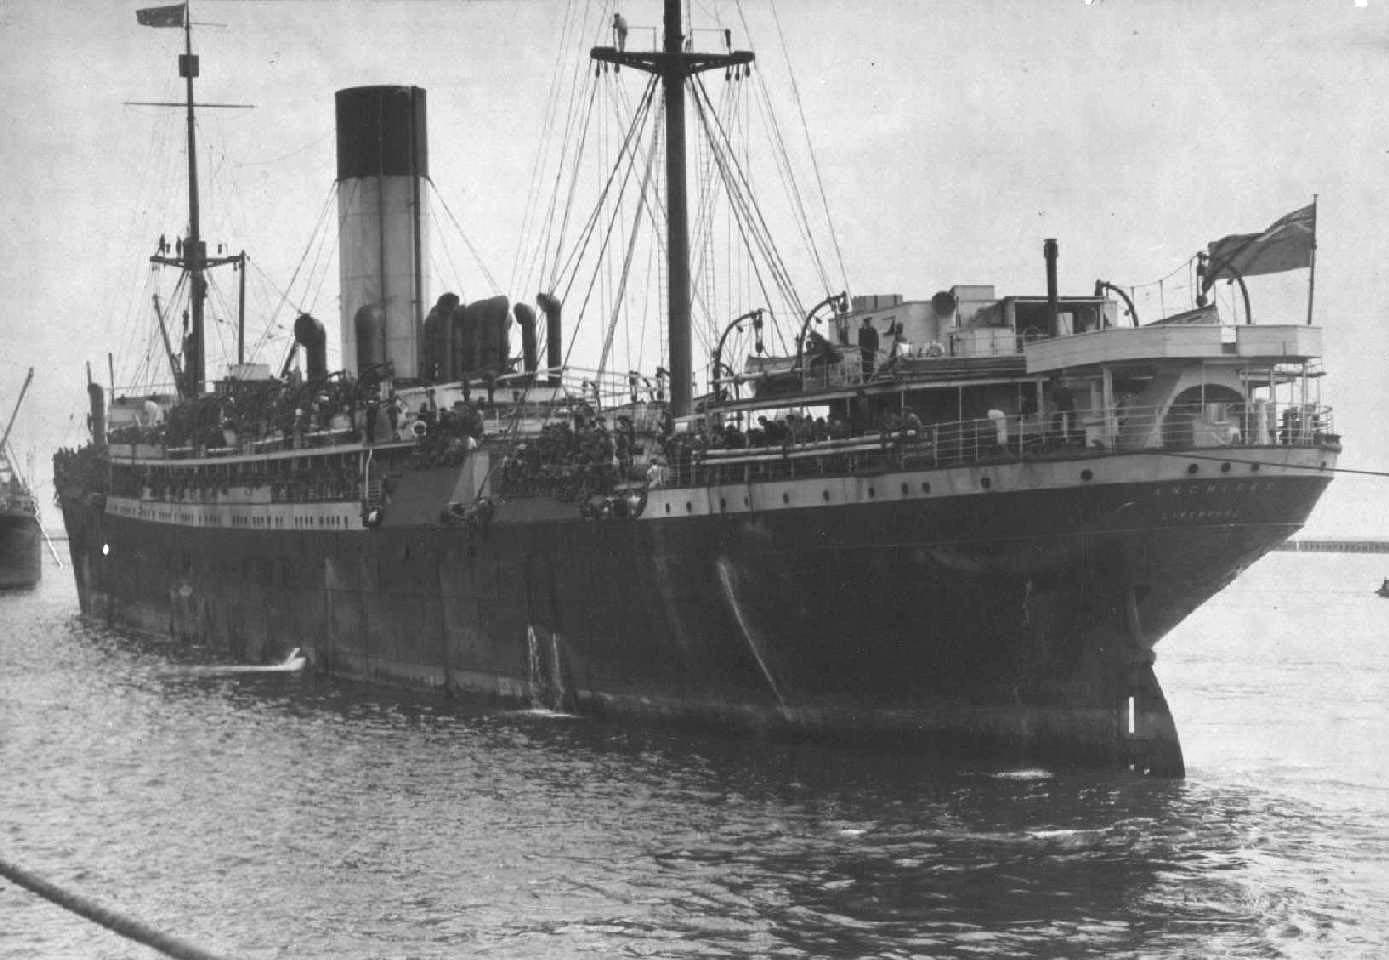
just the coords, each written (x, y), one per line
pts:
(951, 138)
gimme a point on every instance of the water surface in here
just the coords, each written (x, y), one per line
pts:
(286, 816)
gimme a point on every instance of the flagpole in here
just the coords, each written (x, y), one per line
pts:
(1312, 264)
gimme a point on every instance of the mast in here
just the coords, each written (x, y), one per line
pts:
(193, 367)
(4, 441)
(193, 256)
(674, 65)
(241, 310)
(1312, 262)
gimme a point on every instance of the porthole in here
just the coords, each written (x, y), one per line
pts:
(825, 495)
(1224, 468)
(872, 493)
(667, 508)
(786, 498)
(926, 486)
(689, 507)
(985, 482)
(723, 504)
(1087, 475)
(1193, 468)
(1253, 468)
(906, 489)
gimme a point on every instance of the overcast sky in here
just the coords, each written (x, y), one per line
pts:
(952, 137)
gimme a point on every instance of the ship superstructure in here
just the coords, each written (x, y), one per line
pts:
(963, 521)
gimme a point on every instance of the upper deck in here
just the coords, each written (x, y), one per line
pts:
(969, 337)
(1197, 342)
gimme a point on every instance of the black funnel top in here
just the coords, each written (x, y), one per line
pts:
(382, 132)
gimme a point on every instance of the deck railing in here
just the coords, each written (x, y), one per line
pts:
(1001, 438)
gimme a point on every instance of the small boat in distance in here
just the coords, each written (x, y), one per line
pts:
(20, 534)
(1383, 590)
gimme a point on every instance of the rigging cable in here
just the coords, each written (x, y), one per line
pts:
(629, 167)
(542, 241)
(160, 136)
(627, 260)
(742, 225)
(626, 154)
(810, 147)
(438, 266)
(563, 227)
(704, 268)
(284, 295)
(124, 926)
(487, 274)
(783, 157)
(740, 189)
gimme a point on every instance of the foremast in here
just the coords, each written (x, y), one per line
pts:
(191, 253)
(674, 64)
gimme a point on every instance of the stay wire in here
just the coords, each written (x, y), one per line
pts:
(482, 265)
(741, 222)
(625, 159)
(576, 93)
(542, 152)
(627, 261)
(742, 189)
(563, 225)
(627, 162)
(809, 144)
(782, 157)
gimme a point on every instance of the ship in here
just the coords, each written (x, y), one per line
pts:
(959, 523)
(21, 559)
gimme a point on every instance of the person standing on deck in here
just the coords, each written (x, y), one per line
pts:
(620, 31)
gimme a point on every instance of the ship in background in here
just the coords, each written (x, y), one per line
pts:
(962, 522)
(21, 559)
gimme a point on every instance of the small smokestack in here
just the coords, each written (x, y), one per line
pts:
(437, 362)
(309, 333)
(530, 354)
(554, 333)
(1049, 251)
(370, 327)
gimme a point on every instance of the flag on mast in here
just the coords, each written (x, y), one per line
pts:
(1287, 244)
(170, 16)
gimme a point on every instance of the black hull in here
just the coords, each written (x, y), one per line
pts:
(21, 551)
(1008, 626)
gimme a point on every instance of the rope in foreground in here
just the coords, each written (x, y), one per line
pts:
(126, 927)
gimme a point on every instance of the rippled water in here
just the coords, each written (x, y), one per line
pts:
(287, 816)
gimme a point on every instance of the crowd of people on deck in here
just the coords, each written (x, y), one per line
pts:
(269, 414)
(573, 457)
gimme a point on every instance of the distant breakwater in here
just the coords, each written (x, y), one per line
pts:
(1335, 546)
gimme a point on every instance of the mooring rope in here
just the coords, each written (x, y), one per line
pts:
(130, 929)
